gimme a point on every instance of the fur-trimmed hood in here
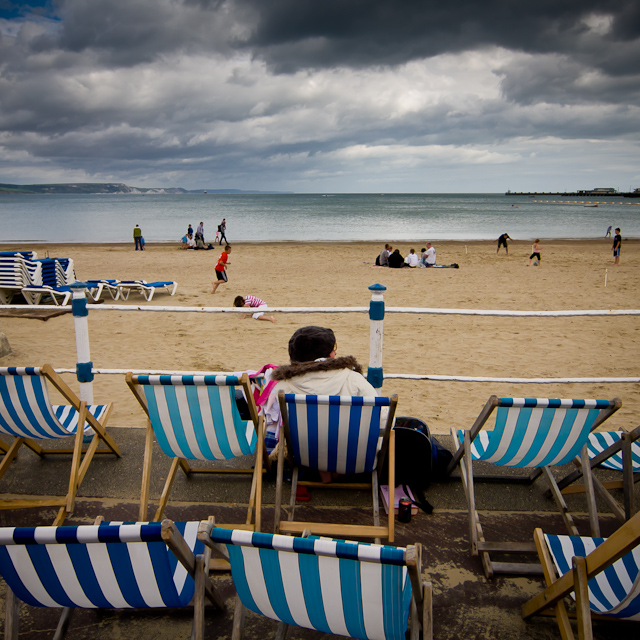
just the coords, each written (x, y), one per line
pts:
(288, 371)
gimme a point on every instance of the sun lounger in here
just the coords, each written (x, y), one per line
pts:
(34, 294)
(147, 289)
(335, 587)
(96, 287)
(530, 433)
(105, 566)
(602, 575)
(27, 414)
(338, 434)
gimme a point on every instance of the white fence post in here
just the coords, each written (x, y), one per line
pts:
(376, 317)
(84, 366)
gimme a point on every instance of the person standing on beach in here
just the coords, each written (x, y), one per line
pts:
(137, 238)
(608, 233)
(190, 231)
(221, 269)
(222, 227)
(255, 303)
(200, 230)
(502, 242)
(535, 252)
(617, 245)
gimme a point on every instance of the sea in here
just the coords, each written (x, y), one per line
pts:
(312, 217)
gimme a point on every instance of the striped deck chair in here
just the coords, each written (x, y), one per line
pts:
(197, 418)
(338, 434)
(530, 433)
(602, 575)
(27, 414)
(615, 451)
(104, 566)
(335, 587)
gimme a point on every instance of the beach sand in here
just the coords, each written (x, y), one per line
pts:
(571, 277)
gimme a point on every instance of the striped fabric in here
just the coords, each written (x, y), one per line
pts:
(105, 566)
(25, 409)
(335, 433)
(196, 417)
(616, 590)
(599, 441)
(344, 588)
(536, 432)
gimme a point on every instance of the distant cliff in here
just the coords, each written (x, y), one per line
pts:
(107, 187)
(83, 188)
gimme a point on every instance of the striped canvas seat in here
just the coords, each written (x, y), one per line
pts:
(335, 587)
(105, 566)
(602, 440)
(340, 434)
(197, 418)
(602, 575)
(536, 432)
(528, 433)
(26, 413)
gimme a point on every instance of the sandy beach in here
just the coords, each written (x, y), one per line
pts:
(572, 276)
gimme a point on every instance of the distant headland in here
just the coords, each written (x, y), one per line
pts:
(89, 188)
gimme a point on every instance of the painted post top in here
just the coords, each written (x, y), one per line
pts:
(377, 287)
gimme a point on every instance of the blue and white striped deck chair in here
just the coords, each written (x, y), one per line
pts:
(602, 575)
(197, 418)
(26, 413)
(529, 433)
(103, 566)
(347, 435)
(614, 451)
(335, 587)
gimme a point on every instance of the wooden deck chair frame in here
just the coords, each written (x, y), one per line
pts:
(195, 565)
(550, 600)
(81, 458)
(622, 445)
(254, 512)
(385, 451)
(420, 617)
(479, 545)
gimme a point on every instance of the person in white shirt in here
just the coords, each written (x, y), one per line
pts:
(412, 259)
(429, 256)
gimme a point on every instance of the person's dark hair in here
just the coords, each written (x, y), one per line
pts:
(310, 343)
(238, 302)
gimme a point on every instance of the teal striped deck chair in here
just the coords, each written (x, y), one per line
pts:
(26, 414)
(601, 575)
(105, 566)
(197, 418)
(614, 451)
(346, 435)
(349, 589)
(533, 434)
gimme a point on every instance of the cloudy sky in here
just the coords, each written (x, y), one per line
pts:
(321, 96)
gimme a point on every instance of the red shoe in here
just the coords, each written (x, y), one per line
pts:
(302, 494)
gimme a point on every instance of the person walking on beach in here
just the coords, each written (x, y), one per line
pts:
(608, 233)
(502, 242)
(221, 269)
(137, 238)
(255, 303)
(222, 227)
(200, 230)
(617, 245)
(535, 253)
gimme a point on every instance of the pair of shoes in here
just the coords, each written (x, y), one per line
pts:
(302, 494)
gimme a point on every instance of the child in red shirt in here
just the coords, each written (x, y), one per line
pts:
(221, 269)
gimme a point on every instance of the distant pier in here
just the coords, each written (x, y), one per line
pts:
(576, 194)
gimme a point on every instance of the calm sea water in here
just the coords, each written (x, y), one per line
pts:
(309, 217)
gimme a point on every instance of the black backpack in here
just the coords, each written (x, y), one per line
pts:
(420, 458)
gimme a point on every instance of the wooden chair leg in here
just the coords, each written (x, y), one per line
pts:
(594, 522)
(238, 620)
(11, 453)
(281, 633)
(560, 501)
(280, 472)
(63, 623)
(294, 489)
(414, 623)
(585, 631)
(164, 498)
(76, 459)
(627, 476)
(146, 474)
(427, 612)
(198, 601)
(12, 615)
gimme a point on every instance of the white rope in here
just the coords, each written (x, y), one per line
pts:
(413, 310)
(387, 376)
